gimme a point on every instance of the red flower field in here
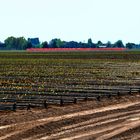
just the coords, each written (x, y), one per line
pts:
(73, 49)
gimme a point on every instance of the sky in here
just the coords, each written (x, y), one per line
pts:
(105, 20)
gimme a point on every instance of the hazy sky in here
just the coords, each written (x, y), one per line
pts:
(71, 19)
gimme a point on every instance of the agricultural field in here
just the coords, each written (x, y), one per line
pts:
(52, 72)
(89, 83)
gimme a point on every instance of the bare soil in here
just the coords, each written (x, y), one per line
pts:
(109, 119)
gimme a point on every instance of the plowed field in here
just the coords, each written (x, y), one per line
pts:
(116, 119)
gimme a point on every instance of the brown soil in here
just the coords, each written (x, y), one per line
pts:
(109, 119)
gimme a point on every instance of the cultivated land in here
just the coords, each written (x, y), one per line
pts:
(105, 86)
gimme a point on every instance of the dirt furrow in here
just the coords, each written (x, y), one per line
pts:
(86, 112)
(94, 122)
(127, 126)
(109, 132)
(32, 124)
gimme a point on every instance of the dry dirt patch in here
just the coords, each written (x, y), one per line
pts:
(86, 120)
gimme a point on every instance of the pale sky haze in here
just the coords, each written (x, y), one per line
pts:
(71, 19)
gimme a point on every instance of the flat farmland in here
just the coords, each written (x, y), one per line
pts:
(68, 71)
(30, 76)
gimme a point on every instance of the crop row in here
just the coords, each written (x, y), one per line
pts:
(41, 73)
(12, 100)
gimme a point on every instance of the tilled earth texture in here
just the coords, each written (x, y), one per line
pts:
(109, 119)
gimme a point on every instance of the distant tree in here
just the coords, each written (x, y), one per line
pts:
(118, 44)
(21, 43)
(99, 43)
(59, 43)
(29, 45)
(52, 43)
(72, 44)
(56, 43)
(10, 42)
(108, 44)
(130, 45)
(90, 44)
(16, 43)
(79, 45)
(45, 44)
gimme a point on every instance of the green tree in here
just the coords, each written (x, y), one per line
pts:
(29, 45)
(99, 43)
(10, 42)
(45, 44)
(90, 44)
(59, 43)
(118, 44)
(108, 44)
(21, 43)
(130, 45)
(52, 43)
(56, 43)
(16, 43)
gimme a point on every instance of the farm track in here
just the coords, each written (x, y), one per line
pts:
(103, 120)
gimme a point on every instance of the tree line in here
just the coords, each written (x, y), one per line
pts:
(20, 43)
